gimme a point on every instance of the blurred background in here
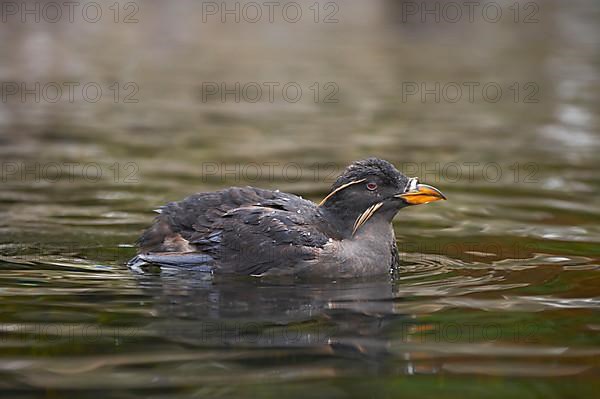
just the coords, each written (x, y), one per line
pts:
(111, 109)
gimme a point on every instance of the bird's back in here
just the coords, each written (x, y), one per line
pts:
(244, 230)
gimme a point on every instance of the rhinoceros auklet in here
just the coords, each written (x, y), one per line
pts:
(251, 231)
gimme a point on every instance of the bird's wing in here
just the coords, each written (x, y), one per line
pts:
(196, 214)
(258, 239)
(247, 230)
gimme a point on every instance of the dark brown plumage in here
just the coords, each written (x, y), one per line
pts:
(252, 231)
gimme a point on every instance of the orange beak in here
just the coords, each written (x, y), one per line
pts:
(421, 194)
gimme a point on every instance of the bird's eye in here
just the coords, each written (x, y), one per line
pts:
(371, 186)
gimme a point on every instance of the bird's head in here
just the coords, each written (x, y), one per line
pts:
(373, 190)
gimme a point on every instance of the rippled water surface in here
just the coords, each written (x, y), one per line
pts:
(499, 290)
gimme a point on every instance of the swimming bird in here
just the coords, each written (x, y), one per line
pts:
(253, 231)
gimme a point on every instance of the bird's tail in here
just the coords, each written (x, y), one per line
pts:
(171, 260)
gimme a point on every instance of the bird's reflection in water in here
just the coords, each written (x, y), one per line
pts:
(385, 324)
(335, 319)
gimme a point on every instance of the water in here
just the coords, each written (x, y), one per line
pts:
(499, 289)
